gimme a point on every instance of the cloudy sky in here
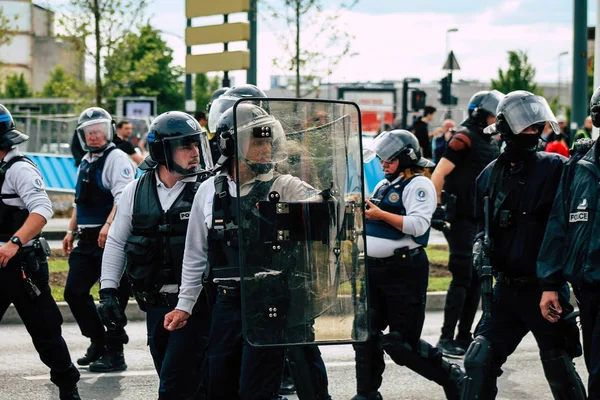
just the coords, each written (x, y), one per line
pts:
(394, 39)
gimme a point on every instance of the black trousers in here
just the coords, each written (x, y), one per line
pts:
(41, 318)
(85, 267)
(589, 306)
(464, 292)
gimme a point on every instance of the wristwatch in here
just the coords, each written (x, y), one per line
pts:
(17, 241)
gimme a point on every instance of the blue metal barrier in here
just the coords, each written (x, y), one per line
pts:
(58, 171)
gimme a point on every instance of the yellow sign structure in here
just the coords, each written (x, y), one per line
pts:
(205, 8)
(225, 33)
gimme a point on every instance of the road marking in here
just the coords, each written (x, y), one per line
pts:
(95, 375)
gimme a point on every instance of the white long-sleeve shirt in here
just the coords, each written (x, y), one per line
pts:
(196, 244)
(113, 259)
(26, 181)
(419, 199)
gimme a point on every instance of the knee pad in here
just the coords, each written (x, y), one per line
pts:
(479, 354)
(478, 382)
(565, 383)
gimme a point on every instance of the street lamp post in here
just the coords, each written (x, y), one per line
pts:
(563, 53)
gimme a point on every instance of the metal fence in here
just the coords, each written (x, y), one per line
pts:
(52, 134)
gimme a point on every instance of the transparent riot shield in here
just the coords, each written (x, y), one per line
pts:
(299, 204)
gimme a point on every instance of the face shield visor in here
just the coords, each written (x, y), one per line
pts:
(261, 143)
(524, 112)
(222, 104)
(385, 146)
(187, 155)
(95, 135)
(490, 102)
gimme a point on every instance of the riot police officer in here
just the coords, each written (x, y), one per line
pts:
(102, 175)
(24, 210)
(519, 188)
(148, 235)
(467, 154)
(236, 369)
(212, 137)
(397, 225)
(569, 245)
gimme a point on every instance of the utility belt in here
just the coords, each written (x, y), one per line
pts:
(507, 219)
(159, 299)
(400, 255)
(520, 281)
(30, 258)
(88, 234)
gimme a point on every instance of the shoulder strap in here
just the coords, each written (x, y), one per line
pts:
(221, 202)
(6, 167)
(137, 200)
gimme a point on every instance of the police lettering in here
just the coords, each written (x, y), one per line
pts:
(578, 217)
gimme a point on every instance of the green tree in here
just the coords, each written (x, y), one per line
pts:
(314, 43)
(204, 88)
(16, 87)
(60, 84)
(140, 65)
(520, 75)
(100, 24)
(5, 28)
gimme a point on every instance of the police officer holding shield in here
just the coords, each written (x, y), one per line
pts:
(519, 188)
(147, 239)
(467, 154)
(398, 219)
(24, 210)
(567, 253)
(103, 174)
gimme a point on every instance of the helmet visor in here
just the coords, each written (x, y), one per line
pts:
(490, 102)
(385, 146)
(217, 108)
(186, 155)
(262, 141)
(95, 134)
(524, 112)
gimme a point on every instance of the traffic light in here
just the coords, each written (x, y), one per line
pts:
(446, 97)
(418, 100)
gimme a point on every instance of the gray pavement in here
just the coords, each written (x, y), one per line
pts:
(23, 376)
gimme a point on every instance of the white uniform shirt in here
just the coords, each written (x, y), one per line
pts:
(420, 200)
(26, 181)
(118, 172)
(195, 257)
(114, 258)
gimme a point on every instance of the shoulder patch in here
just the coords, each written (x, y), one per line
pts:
(126, 173)
(421, 194)
(459, 142)
(38, 184)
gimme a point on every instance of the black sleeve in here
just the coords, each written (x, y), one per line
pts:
(458, 149)
(127, 147)
(550, 262)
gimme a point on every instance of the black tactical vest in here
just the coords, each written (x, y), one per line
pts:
(155, 248)
(223, 246)
(461, 181)
(11, 218)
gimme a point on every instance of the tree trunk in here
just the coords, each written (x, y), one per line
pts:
(97, 17)
(298, 48)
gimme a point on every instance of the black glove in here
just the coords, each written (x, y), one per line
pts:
(110, 311)
(438, 217)
(478, 255)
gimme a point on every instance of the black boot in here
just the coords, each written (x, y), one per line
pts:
(69, 393)
(93, 353)
(450, 348)
(372, 396)
(112, 360)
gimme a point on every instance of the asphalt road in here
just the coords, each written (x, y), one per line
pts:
(23, 376)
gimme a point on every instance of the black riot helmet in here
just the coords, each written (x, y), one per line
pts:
(228, 99)
(96, 126)
(481, 106)
(399, 144)
(9, 135)
(170, 132)
(595, 108)
(253, 123)
(215, 95)
(519, 111)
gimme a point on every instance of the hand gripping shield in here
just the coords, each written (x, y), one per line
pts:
(299, 207)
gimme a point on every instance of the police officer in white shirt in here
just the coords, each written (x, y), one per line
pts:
(103, 174)
(147, 240)
(24, 210)
(398, 218)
